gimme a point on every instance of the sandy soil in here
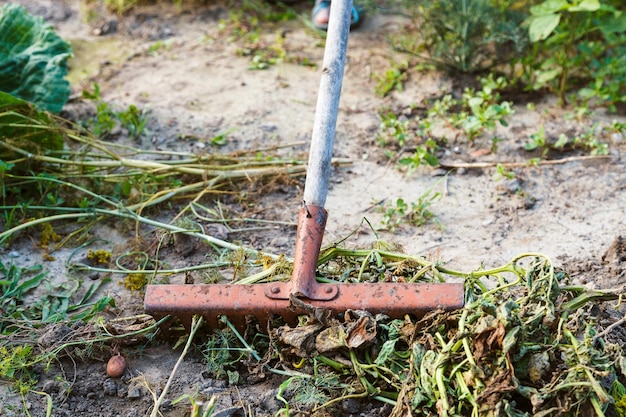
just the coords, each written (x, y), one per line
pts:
(194, 85)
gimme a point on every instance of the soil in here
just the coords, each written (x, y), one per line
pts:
(178, 66)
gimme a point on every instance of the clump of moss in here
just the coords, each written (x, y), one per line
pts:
(99, 257)
(135, 282)
(48, 235)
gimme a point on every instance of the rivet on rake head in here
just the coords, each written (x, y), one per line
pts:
(328, 290)
(275, 290)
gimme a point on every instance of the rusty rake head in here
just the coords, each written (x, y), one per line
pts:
(263, 301)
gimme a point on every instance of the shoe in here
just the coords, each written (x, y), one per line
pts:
(321, 13)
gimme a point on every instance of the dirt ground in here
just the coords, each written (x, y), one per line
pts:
(177, 65)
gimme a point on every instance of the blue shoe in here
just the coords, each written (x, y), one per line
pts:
(321, 11)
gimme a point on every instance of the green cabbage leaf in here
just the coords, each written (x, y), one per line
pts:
(33, 59)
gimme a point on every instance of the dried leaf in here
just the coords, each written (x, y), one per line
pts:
(331, 339)
(302, 338)
(360, 332)
(489, 340)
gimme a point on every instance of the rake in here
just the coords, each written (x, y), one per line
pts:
(263, 301)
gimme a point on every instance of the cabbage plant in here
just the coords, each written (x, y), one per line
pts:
(33, 59)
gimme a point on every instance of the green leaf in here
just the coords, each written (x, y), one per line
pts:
(549, 7)
(586, 6)
(586, 93)
(615, 23)
(562, 141)
(21, 120)
(543, 77)
(510, 339)
(542, 26)
(33, 59)
(431, 159)
(385, 352)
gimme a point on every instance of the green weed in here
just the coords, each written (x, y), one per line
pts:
(503, 173)
(399, 133)
(16, 365)
(106, 119)
(392, 79)
(134, 120)
(578, 43)
(463, 35)
(54, 302)
(589, 139)
(485, 108)
(221, 352)
(198, 407)
(417, 213)
(477, 112)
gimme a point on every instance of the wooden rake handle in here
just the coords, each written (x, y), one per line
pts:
(320, 154)
(312, 217)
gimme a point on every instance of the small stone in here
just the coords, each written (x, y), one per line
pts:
(528, 202)
(512, 185)
(439, 172)
(269, 402)
(166, 404)
(228, 412)
(269, 127)
(50, 386)
(350, 406)
(109, 387)
(220, 383)
(134, 393)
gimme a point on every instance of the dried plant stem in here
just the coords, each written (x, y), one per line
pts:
(95, 213)
(609, 329)
(477, 165)
(196, 322)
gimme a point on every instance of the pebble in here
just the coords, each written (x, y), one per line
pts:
(509, 186)
(109, 387)
(350, 406)
(228, 412)
(269, 402)
(50, 386)
(269, 127)
(134, 391)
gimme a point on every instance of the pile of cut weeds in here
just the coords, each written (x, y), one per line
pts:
(525, 343)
